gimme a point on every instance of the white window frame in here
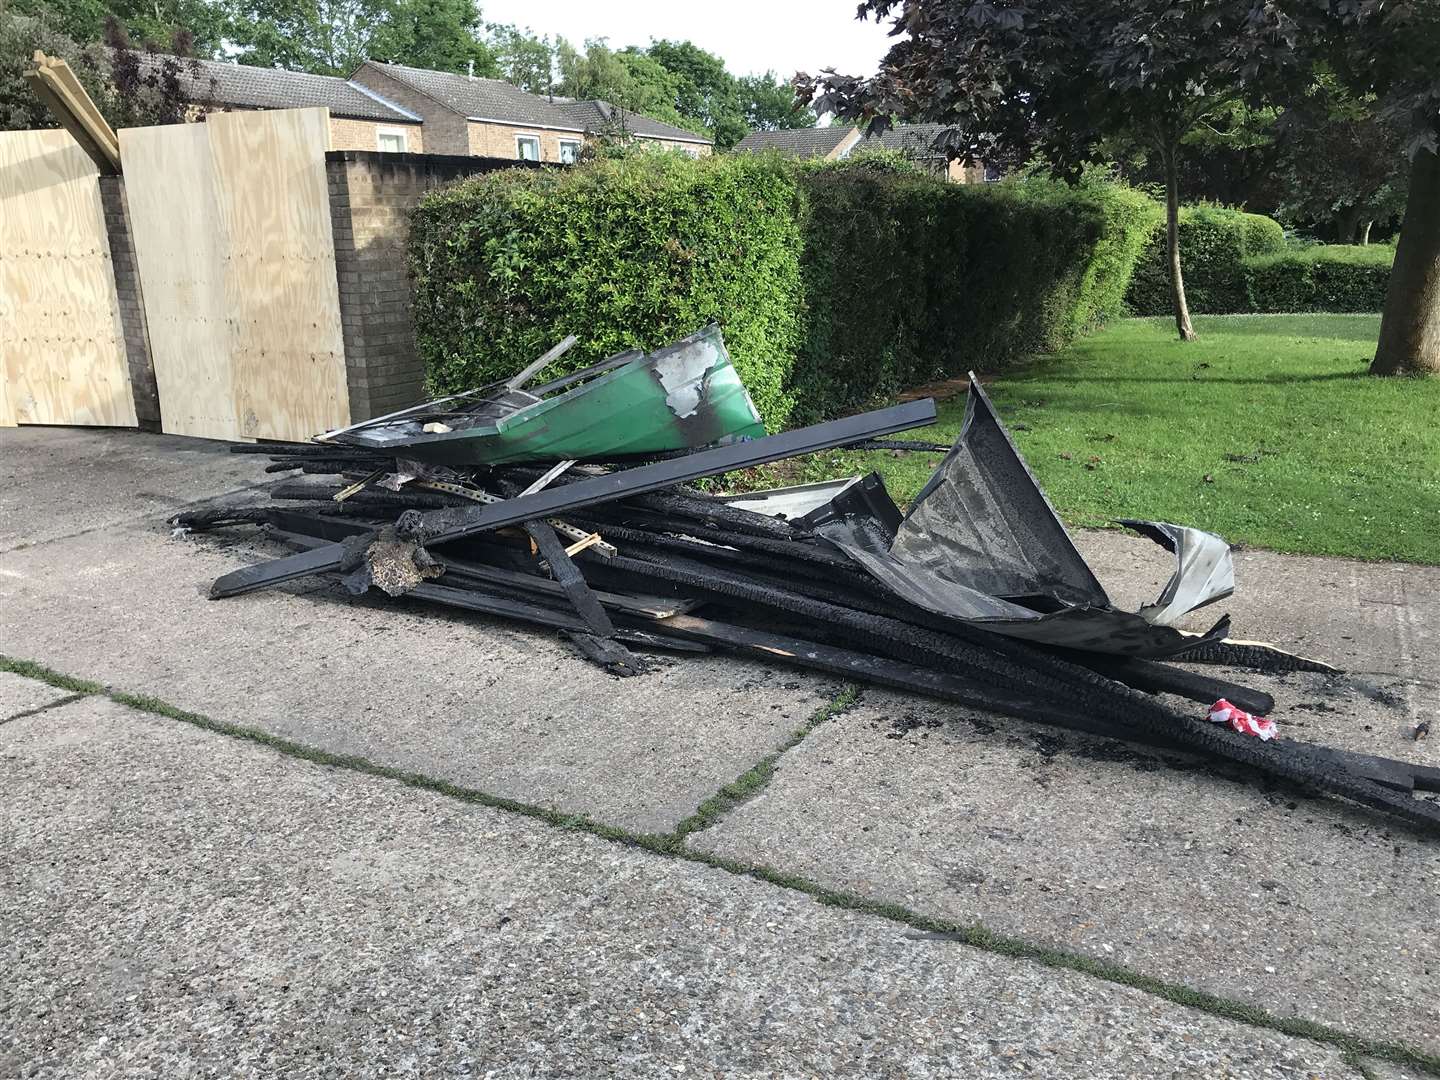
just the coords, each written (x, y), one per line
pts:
(985, 171)
(578, 144)
(401, 132)
(523, 139)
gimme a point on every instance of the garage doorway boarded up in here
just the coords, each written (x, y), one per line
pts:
(62, 355)
(232, 233)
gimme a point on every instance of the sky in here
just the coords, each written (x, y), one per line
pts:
(751, 36)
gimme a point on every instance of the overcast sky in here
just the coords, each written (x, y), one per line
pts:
(751, 36)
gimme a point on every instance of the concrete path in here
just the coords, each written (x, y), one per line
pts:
(293, 834)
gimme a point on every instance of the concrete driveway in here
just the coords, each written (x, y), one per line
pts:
(295, 834)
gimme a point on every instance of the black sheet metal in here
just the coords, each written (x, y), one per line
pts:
(982, 545)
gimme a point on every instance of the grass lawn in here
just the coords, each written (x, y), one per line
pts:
(1267, 431)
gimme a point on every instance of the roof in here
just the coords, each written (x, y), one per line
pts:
(596, 115)
(798, 142)
(271, 88)
(915, 140)
(496, 100)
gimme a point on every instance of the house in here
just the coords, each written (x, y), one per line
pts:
(359, 118)
(491, 118)
(839, 142)
(830, 143)
(404, 109)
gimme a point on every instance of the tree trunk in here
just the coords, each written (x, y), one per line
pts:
(1410, 328)
(1365, 227)
(1172, 243)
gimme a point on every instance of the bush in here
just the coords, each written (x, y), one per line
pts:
(626, 254)
(1214, 244)
(834, 286)
(1327, 277)
(908, 279)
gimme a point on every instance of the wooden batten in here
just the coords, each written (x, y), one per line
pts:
(55, 83)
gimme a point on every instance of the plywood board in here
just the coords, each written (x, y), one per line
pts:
(231, 221)
(180, 253)
(62, 353)
(280, 288)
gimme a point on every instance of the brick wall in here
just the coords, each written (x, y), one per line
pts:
(371, 195)
(347, 134)
(131, 303)
(444, 128)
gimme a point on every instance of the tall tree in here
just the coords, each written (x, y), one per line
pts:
(768, 104)
(523, 59)
(1061, 76)
(707, 95)
(153, 22)
(1340, 162)
(442, 35)
(1390, 52)
(20, 36)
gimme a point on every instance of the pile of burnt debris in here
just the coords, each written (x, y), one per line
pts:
(567, 505)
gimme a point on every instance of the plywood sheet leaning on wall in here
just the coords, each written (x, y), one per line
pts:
(231, 221)
(62, 354)
(170, 196)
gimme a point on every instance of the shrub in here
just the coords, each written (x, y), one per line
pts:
(1214, 244)
(1326, 277)
(909, 279)
(834, 285)
(629, 253)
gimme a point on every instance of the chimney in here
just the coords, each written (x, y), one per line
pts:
(470, 69)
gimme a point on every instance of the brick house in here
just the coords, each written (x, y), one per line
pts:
(491, 118)
(835, 143)
(359, 118)
(412, 110)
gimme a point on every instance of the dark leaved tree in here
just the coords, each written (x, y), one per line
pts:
(1061, 78)
(1390, 52)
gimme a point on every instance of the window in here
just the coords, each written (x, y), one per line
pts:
(569, 151)
(527, 147)
(993, 173)
(690, 151)
(391, 140)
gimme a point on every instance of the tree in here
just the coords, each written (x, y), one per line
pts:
(442, 35)
(153, 22)
(20, 36)
(707, 95)
(1340, 162)
(1060, 76)
(768, 104)
(523, 59)
(1387, 52)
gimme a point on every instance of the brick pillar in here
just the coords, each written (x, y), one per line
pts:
(131, 302)
(371, 196)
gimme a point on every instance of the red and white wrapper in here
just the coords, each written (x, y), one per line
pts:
(1222, 712)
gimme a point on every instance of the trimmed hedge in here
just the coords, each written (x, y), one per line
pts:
(1214, 244)
(625, 254)
(834, 286)
(908, 279)
(1327, 277)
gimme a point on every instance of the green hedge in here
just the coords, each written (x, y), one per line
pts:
(908, 279)
(834, 286)
(1214, 244)
(1327, 277)
(625, 254)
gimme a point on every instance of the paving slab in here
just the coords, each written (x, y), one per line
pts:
(1379, 621)
(58, 481)
(476, 701)
(1303, 906)
(180, 904)
(19, 694)
(97, 588)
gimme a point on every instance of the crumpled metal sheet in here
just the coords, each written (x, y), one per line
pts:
(982, 545)
(1204, 570)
